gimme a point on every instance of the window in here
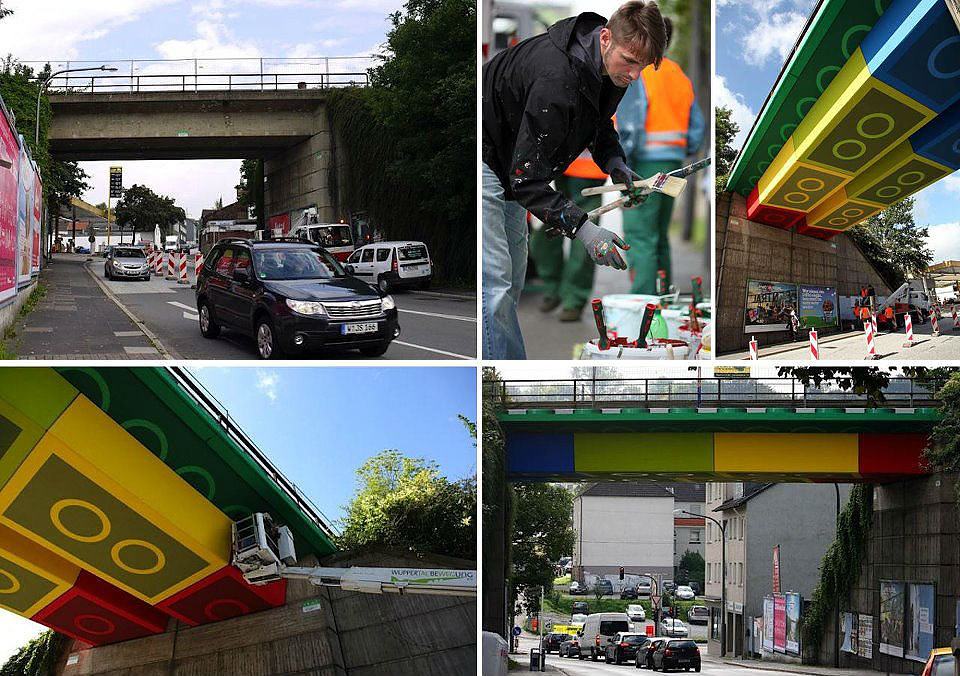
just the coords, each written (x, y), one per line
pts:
(382, 255)
(740, 574)
(225, 262)
(367, 255)
(242, 260)
(715, 624)
(355, 256)
(695, 537)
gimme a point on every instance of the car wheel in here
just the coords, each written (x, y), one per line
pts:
(208, 326)
(697, 668)
(594, 656)
(267, 345)
(383, 284)
(617, 658)
(377, 350)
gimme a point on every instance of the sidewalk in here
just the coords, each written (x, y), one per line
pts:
(76, 320)
(813, 670)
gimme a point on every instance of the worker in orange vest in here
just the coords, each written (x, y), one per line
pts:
(660, 124)
(568, 283)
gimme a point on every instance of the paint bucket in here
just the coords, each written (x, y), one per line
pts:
(623, 312)
(659, 350)
(693, 338)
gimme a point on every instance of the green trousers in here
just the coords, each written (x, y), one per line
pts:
(646, 231)
(570, 280)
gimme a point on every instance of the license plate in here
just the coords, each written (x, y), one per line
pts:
(358, 328)
(683, 661)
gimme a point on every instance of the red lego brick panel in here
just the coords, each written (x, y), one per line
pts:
(891, 454)
(819, 233)
(773, 216)
(223, 595)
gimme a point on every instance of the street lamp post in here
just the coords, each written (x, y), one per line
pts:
(48, 80)
(723, 577)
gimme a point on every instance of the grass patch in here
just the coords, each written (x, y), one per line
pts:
(10, 333)
(563, 604)
(561, 580)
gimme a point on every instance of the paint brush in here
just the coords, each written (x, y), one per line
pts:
(645, 324)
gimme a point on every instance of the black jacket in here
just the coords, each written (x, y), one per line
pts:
(542, 105)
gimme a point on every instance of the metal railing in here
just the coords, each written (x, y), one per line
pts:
(213, 74)
(219, 413)
(698, 392)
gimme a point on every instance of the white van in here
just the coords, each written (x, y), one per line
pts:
(599, 630)
(390, 265)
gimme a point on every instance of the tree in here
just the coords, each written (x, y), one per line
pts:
(725, 154)
(250, 187)
(4, 11)
(37, 658)
(142, 209)
(894, 243)
(692, 567)
(406, 502)
(542, 533)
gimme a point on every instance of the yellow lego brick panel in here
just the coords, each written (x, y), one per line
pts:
(31, 577)
(897, 175)
(841, 212)
(799, 187)
(761, 453)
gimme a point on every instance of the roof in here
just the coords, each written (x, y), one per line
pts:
(682, 492)
(750, 490)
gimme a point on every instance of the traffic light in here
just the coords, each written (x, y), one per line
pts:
(621, 573)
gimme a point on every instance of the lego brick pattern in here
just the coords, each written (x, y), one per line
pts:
(223, 595)
(939, 140)
(891, 454)
(533, 453)
(643, 452)
(786, 219)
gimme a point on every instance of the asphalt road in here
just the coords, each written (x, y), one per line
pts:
(434, 325)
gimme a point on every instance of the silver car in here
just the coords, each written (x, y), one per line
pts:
(126, 261)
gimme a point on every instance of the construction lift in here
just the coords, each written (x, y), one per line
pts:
(264, 552)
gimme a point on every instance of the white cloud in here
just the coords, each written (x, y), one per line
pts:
(267, 382)
(944, 241)
(951, 183)
(55, 29)
(214, 41)
(773, 34)
(741, 113)
(15, 632)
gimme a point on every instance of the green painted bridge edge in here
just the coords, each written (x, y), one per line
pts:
(162, 383)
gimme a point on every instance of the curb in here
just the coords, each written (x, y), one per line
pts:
(443, 294)
(772, 666)
(151, 336)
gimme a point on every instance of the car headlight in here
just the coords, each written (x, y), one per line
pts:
(306, 307)
(386, 303)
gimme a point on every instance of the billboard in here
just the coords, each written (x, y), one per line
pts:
(892, 604)
(768, 306)
(792, 602)
(24, 214)
(848, 640)
(865, 636)
(779, 623)
(818, 306)
(9, 196)
(919, 621)
(36, 223)
(768, 624)
(279, 225)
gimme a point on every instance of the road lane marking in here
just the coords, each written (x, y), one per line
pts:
(433, 349)
(187, 315)
(441, 316)
(140, 350)
(127, 334)
(182, 306)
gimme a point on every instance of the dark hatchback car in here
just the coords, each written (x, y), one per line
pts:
(552, 641)
(676, 654)
(292, 297)
(624, 646)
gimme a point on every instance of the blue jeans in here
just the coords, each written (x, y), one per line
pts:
(504, 269)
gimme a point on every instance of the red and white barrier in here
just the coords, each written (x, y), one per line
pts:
(182, 276)
(754, 352)
(908, 324)
(871, 347)
(955, 319)
(814, 347)
(158, 264)
(198, 264)
(873, 320)
(935, 320)
(171, 266)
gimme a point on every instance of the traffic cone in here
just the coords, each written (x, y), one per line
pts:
(908, 324)
(814, 348)
(871, 348)
(754, 352)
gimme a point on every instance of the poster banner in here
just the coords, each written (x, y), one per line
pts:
(768, 624)
(768, 306)
(779, 623)
(919, 618)
(9, 196)
(848, 642)
(818, 306)
(892, 603)
(279, 225)
(865, 636)
(793, 623)
(24, 213)
(776, 569)
(36, 223)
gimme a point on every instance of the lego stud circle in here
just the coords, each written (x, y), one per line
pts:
(56, 512)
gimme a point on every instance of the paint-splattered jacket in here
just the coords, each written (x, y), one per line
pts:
(542, 105)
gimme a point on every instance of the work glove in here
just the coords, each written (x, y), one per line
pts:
(621, 173)
(601, 245)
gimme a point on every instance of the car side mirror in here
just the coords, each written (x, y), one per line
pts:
(349, 269)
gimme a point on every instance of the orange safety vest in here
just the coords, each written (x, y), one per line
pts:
(669, 98)
(585, 167)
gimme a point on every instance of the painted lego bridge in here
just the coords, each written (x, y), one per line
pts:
(716, 444)
(865, 113)
(117, 492)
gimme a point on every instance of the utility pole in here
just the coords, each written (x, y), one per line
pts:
(723, 577)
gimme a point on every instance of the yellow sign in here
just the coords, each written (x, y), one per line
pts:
(731, 371)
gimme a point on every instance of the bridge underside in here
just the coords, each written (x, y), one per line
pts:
(782, 445)
(173, 148)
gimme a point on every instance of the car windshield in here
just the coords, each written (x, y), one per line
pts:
(412, 253)
(636, 638)
(677, 645)
(611, 627)
(128, 253)
(300, 263)
(331, 235)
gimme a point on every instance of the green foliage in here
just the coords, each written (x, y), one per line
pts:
(37, 658)
(893, 243)
(141, 209)
(4, 11)
(692, 568)
(406, 503)
(943, 452)
(562, 604)
(250, 187)
(724, 152)
(410, 139)
(841, 564)
(866, 380)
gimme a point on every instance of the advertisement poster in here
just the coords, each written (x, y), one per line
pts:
(779, 623)
(279, 225)
(793, 623)
(848, 641)
(919, 618)
(9, 193)
(776, 569)
(892, 603)
(865, 636)
(24, 212)
(37, 222)
(768, 624)
(818, 306)
(768, 306)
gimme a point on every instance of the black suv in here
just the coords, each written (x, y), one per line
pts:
(291, 297)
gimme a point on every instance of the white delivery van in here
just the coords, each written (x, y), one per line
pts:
(598, 630)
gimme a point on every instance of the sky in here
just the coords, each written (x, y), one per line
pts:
(108, 32)
(753, 41)
(318, 425)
